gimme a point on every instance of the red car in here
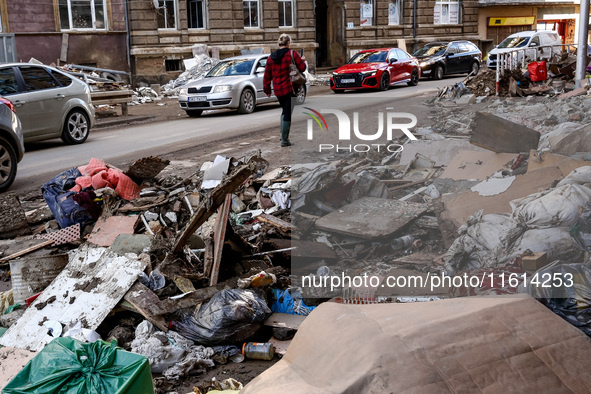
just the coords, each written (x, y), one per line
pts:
(376, 69)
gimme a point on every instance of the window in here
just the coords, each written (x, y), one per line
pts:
(366, 13)
(251, 13)
(535, 41)
(285, 13)
(447, 12)
(196, 14)
(400, 54)
(82, 14)
(172, 64)
(453, 49)
(37, 78)
(395, 12)
(63, 79)
(8, 83)
(166, 15)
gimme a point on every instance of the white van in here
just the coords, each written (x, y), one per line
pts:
(531, 40)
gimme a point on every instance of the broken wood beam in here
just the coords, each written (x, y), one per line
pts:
(5, 260)
(502, 136)
(215, 198)
(275, 221)
(219, 237)
(147, 304)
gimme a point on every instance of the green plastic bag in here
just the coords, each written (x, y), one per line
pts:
(69, 366)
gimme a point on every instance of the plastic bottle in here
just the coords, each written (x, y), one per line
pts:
(258, 350)
(403, 242)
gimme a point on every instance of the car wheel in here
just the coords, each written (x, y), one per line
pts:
(76, 128)
(300, 95)
(7, 164)
(246, 102)
(414, 78)
(194, 113)
(384, 82)
(474, 69)
(438, 72)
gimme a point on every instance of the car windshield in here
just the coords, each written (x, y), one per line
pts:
(231, 67)
(369, 57)
(514, 42)
(431, 50)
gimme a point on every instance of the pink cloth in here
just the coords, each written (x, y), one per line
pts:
(98, 175)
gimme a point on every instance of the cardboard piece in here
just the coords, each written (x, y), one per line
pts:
(534, 262)
(87, 289)
(501, 135)
(441, 152)
(503, 344)
(459, 206)
(107, 229)
(284, 320)
(538, 160)
(371, 217)
(477, 165)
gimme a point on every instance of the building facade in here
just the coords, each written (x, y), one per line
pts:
(498, 19)
(86, 32)
(164, 32)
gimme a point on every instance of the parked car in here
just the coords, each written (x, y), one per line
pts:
(12, 146)
(234, 83)
(48, 102)
(441, 58)
(532, 41)
(376, 69)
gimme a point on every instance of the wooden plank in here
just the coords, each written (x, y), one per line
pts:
(87, 289)
(42, 245)
(147, 304)
(284, 320)
(219, 237)
(371, 217)
(113, 101)
(312, 249)
(500, 135)
(214, 199)
(275, 221)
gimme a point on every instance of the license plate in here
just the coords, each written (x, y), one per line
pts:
(347, 80)
(198, 98)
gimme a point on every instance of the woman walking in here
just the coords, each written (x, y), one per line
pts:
(277, 71)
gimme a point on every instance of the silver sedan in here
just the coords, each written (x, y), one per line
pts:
(49, 102)
(234, 83)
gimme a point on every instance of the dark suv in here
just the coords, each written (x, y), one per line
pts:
(441, 58)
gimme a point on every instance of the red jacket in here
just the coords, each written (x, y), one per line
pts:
(277, 71)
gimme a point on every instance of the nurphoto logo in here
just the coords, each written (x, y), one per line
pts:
(347, 130)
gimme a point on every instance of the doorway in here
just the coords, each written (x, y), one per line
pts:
(330, 33)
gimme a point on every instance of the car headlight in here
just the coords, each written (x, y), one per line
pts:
(368, 73)
(424, 64)
(335, 74)
(183, 91)
(222, 88)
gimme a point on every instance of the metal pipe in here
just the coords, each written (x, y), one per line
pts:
(128, 38)
(498, 73)
(582, 48)
(414, 19)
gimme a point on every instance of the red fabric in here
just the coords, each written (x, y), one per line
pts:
(279, 74)
(126, 188)
(84, 181)
(97, 175)
(101, 180)
(93, 167)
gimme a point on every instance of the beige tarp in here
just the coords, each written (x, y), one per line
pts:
(504, 344)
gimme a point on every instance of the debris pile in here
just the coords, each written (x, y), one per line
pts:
(202, 65)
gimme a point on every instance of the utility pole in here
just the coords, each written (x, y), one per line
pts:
(582, 46)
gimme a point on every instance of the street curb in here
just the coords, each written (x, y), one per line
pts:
(125, 121)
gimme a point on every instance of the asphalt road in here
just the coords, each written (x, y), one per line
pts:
(44, 160)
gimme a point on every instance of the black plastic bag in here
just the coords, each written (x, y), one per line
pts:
(565, 288)
(61, 202)
(231, 316)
